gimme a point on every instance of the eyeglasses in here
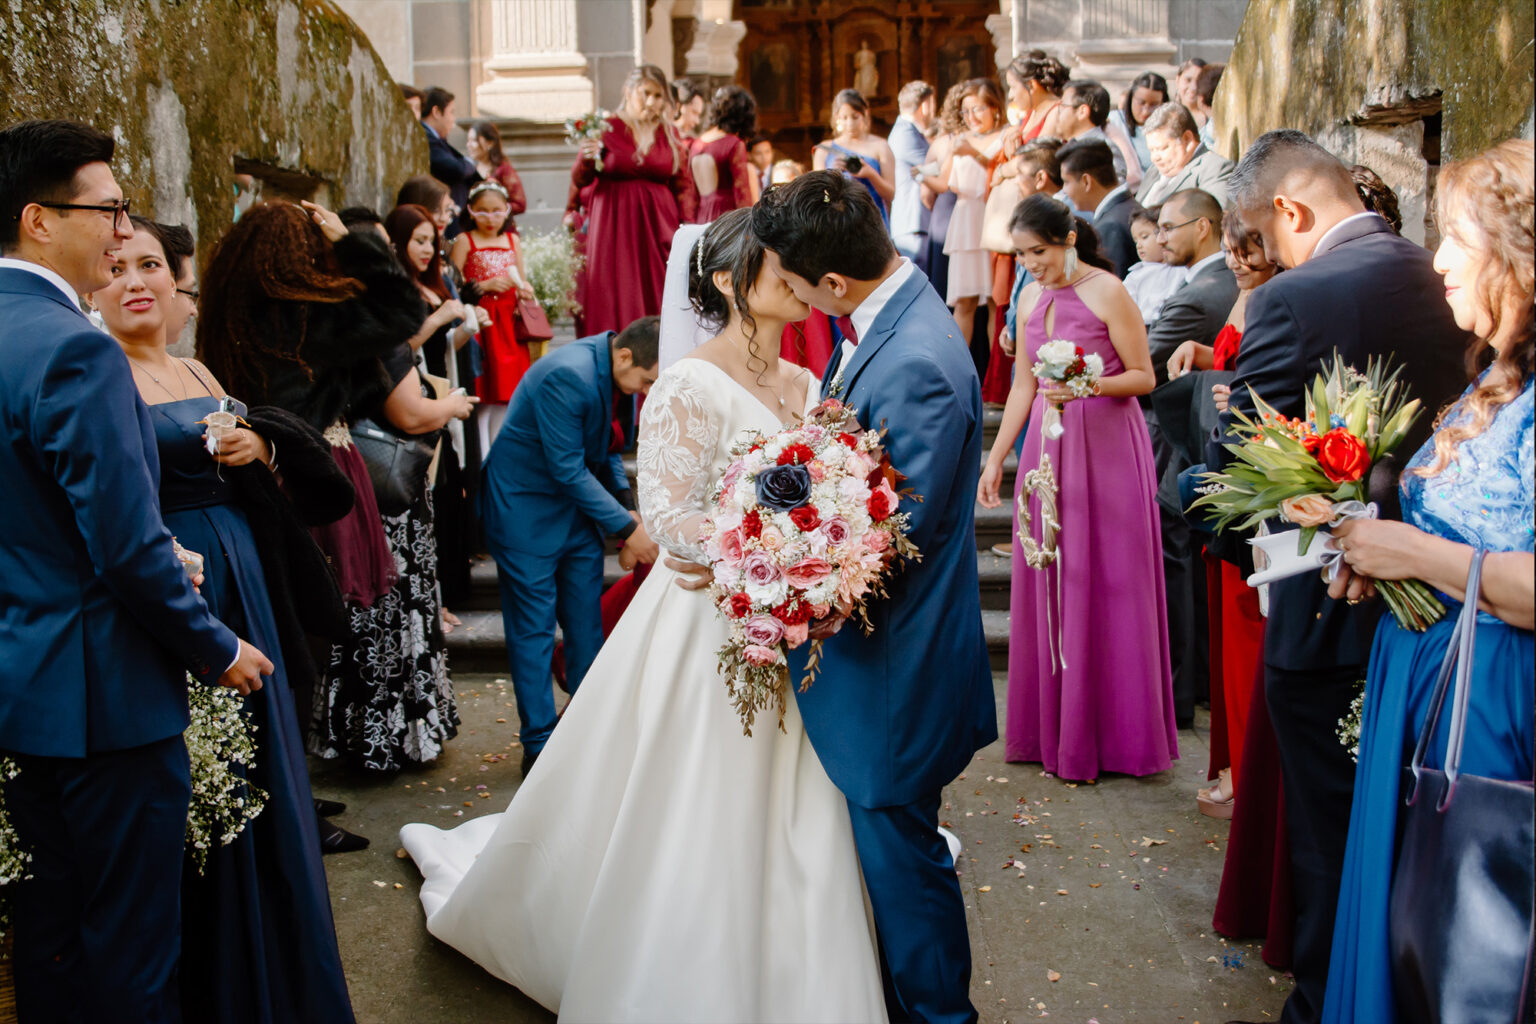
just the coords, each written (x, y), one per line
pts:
(117, 208)
(191, 293)
(1164, 230)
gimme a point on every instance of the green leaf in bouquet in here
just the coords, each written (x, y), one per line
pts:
(1304, 538)
(1322, 413)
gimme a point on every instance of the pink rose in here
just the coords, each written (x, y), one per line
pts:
(859, 464)
(835, 530)
(794, 636)
(760, 569)
(772, 539)
(808, 573)
(732, 550)
(891, 499)
(756, 654)
(1307, 510)
(877, 541)
(731, 476)
(763, 630)
(818, 471)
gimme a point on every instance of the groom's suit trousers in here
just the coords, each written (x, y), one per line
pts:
(98, 926)
(925, 950)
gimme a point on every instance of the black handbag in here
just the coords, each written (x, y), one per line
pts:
(1461, 920)
(397, 465)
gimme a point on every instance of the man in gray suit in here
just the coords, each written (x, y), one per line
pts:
(1179, 159)
(1189, 227)
(909, 214)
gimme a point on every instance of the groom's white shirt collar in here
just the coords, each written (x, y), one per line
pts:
(864, 317)
(47, 274)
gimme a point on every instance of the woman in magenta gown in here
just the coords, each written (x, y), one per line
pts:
(644, 190)
(718, 157)
(1089, 689)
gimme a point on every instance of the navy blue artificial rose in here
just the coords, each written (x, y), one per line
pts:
(783, 487)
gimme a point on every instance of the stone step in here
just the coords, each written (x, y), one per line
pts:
(479, 645)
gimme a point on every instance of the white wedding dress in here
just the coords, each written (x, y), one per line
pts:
(658, 865)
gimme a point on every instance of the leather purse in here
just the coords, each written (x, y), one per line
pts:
(529, 324)
(1001, 202)
(1461, 920)
(397, 466)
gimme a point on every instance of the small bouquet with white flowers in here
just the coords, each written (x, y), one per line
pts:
(588, 127)
(1064, 363)
(222, 750)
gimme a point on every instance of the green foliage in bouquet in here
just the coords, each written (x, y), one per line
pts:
(1299, 469)
(552, 263)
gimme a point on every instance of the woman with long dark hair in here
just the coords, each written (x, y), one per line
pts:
(1077, 704)
(718, 157)
(624, 912)
(856, 151)
(1468, 489)
(1146, 94)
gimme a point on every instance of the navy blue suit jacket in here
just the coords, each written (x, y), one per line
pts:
(896, 715)
(1113, 224)
(98, 622)
(550, 472)
(1370, 294)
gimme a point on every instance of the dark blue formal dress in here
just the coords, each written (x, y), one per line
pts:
(258, 942)
(1485, 499)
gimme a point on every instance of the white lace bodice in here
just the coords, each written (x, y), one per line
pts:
(692, 416)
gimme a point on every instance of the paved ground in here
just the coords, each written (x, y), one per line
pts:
(1086, 902)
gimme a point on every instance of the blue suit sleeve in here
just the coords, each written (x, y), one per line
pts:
(557, 409)
(909, 147)
(620, 485)
(87, 422)
(927, 441)
(1270, 362)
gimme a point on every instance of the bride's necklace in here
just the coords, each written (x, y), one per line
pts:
(777, 393)
(136, 364)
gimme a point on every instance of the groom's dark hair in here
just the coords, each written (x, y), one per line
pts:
(824, 223)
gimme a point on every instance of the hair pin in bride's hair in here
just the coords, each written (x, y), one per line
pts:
(826, 197)
(699, 256)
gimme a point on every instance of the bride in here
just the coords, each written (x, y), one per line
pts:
(657, 864)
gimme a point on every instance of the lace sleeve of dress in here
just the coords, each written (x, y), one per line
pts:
(678, 437)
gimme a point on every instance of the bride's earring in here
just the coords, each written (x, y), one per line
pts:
(1069, 263)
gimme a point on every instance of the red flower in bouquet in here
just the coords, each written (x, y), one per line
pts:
(794, 612)
(752, 525)
(741, 606)
(805, 517)
(1343, 456)
(851, 440)
(796, 455)
(879, 506)
(1313, 443)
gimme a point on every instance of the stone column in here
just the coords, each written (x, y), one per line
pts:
(715, 39)
(537, 70)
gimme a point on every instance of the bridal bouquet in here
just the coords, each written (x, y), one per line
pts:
(591, 126)
(1312, 471)
(805, 522)
(1062, 362)
(219, 739)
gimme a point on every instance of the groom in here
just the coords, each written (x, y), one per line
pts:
(896, 715)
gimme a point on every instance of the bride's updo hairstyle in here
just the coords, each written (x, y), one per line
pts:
(727, 244)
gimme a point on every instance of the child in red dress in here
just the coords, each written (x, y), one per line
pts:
(488, 254)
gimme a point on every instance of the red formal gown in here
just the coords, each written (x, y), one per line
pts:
(1255, 895)
(637, 204)
(733, 172)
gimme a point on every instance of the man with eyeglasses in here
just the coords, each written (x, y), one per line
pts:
(99, 623)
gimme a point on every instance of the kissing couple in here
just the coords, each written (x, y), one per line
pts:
(657, 864)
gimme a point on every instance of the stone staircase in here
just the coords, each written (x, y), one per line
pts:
(480, 645)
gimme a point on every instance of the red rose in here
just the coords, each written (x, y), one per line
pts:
(851, 440)
(1312, 443)
(796, 455)
(793, 612)
(1342, 456)
(752, 524)
(1078, 349)
(879, 507)
(741, 606)
(805, 517)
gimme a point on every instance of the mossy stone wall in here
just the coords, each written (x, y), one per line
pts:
(290, 90)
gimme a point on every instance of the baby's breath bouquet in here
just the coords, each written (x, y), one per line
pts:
(553, 263)
(14, 859)
(222, 749)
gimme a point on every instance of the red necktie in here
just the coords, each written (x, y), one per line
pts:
(845, 327)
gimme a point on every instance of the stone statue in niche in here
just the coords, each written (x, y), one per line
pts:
(866, 77)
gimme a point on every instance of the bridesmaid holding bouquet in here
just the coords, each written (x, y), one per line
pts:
(1076, 703)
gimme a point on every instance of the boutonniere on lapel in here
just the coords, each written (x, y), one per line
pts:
(836, 388)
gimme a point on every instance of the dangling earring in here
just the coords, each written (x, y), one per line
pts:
(1069, 263)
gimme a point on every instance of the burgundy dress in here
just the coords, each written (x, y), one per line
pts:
(733, 188)
(636, 207)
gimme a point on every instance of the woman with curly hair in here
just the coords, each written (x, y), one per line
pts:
(1468, 489)
(718, 157)
(644, 190)
(951, 125)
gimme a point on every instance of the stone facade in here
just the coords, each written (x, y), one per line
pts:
(1397, 85)
(287, 92)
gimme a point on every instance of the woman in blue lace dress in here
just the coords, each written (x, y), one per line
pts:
(1469, 487)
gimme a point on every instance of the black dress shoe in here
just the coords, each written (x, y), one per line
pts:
(335, 839)
(529, 757)
(328, 808)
